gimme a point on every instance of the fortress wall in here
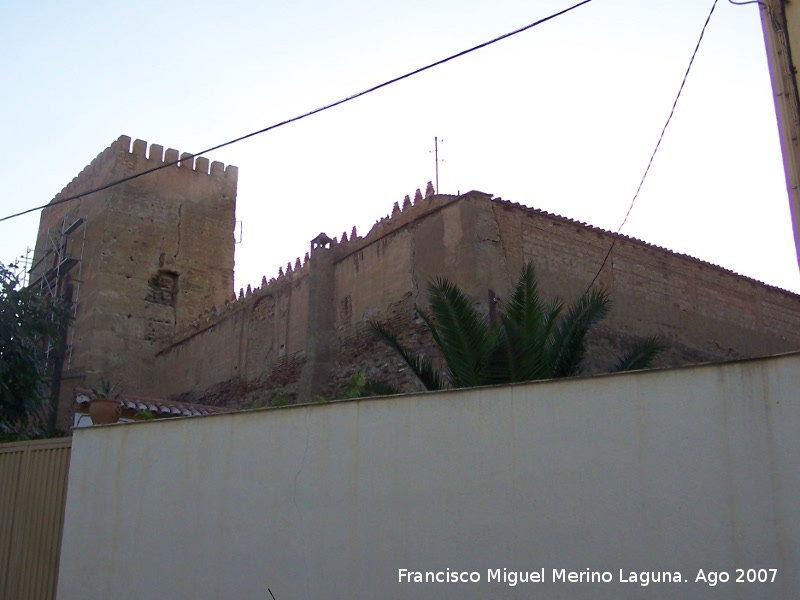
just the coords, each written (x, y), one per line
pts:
(369, 279)
(373, 277)
(251, 344)
(208, 356)
(157, 312)
(377, 282)
(702, 311)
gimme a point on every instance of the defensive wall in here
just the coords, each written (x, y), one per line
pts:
(676, 470)
(156, 310)
(256, 348)
(152, 254)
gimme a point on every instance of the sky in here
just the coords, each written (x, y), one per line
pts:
(562, 117)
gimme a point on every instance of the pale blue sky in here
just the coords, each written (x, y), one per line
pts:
(562, 117)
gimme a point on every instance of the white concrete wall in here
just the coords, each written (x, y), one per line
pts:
(676, 470)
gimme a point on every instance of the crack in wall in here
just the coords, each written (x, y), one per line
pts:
(180, 222)
(414, 282)
(175, 256)
(503, 248)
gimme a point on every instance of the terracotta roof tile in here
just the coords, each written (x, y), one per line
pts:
(159, 408)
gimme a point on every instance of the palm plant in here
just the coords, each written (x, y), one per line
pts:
(105, 389)
(532, 340)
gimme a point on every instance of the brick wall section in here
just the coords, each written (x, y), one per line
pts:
(689, 302)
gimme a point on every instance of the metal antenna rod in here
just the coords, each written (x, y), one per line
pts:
(436, 150)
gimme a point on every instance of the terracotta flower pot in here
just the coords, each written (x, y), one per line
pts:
(104, 411)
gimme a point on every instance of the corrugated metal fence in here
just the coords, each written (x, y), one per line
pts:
(33, 488)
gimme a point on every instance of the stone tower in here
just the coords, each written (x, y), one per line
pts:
(139, 259)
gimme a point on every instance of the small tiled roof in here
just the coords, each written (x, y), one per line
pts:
(159, 408)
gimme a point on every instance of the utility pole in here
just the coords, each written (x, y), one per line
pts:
(779, 20)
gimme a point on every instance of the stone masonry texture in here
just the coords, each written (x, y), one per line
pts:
(158, 253)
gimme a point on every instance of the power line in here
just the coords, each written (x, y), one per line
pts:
(658, 144)
(304, 115)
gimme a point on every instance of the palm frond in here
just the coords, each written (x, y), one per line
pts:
(420, 366)
(525, 326)
(532, 339)
(567, 344)
(641, 356)
(460, 331)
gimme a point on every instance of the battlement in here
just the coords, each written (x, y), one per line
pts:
(151, 156)
(401, 215)
(156, 155)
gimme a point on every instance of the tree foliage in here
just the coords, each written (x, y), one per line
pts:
(28, 321)
(532, 339)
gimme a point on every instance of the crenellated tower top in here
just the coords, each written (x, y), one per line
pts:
(149, 157)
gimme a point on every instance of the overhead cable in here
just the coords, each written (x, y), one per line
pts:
(655, 150)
